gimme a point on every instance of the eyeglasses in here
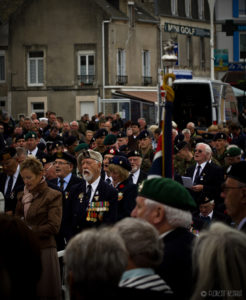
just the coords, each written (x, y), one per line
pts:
(198, 150)
(60, 163)
(225, 188)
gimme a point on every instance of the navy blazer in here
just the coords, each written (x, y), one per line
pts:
(200, 224)
(75, 218)
(10, 202)
(212, 176)
(126, 198)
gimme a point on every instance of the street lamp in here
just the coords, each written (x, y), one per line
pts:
(211, 8)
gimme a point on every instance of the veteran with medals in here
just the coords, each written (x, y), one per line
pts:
(93, 201)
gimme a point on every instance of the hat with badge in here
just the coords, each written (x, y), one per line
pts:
(134, 153)
(7, 153)
(102, 132)
(82, 146)
(208, 137)
(30, 135)
(91, 154)
(65, 156)
(179, 138)
(220, 136)
(121, 161)
(167, 191)
(143, 134)
(46, 159)
(110, 139)
(179, 146)
(233, 152)
(238, 171)
(111, 151)
(121, 134)
(204, 199)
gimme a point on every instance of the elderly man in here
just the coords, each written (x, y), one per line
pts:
(64, 164)
(31, 140)
(206, 176)
(207, 214)
(165, 204)
(135, 159)
(234, 194)
(95, 261)
(10, 180)
(92, 201)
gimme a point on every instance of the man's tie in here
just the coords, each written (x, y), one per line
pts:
(197, 177)
(9, 187)
(88, 194)
(62, 184)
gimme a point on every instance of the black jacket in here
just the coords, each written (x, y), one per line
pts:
(76, 217)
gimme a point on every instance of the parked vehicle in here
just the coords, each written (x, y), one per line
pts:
(203, 102)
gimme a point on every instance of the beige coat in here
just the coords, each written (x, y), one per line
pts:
(44, 214)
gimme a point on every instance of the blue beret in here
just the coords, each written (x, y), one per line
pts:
(121, 161)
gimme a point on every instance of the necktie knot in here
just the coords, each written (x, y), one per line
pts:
(197, 176)
(206, 219)
(62, 181)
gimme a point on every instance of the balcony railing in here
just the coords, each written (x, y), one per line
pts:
(147, 80)
(122, 79)
(86, 79)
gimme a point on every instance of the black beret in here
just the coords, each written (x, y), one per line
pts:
(70, 140)
(179, 146)
(66, 156)
(111, 151)
(134, 153)
(7, 153)
(19, 137)
(121, 134)
(100, 133)
(121, 161)
(207, 136)
(238, 171)
(47, 159)
(41, 146)
(143, 134)
(220, 136)
(135, 124)
(179, 138)
(124, 148)
(204, 199)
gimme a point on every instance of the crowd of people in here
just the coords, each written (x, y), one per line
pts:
(83, 187)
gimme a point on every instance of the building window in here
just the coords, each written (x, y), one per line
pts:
(188, 8)
(242, 46)
(2, 66)
(86, 67)
(189, 51)
(242, 7)
(121, 67)
(38, 108)
(147, 79)
(35, 68)
(201, 9)
(174, 7)
(202, 54)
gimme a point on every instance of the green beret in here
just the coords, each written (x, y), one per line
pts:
(168, 192)
(30, 134)
(232, 152)
(110, 139)
(81, 146)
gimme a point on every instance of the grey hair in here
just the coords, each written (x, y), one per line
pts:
(207, 148)
(186, 130)
(74, 122)
(219, 261)
(175, 217)
(142, 242)
(96, 258)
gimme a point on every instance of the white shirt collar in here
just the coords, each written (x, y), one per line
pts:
(34, 151)
(94, 185)
(240, 225)
(135, 176)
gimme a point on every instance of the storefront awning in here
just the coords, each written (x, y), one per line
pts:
(149, 96)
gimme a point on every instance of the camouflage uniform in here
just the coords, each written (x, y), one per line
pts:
(181, 165)
(147, 160)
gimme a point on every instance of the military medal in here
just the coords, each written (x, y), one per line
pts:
(120, 196)
(12, 195)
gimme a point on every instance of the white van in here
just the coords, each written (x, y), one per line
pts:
(203, 102)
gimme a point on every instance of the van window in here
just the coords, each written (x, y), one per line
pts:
(192, 104)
